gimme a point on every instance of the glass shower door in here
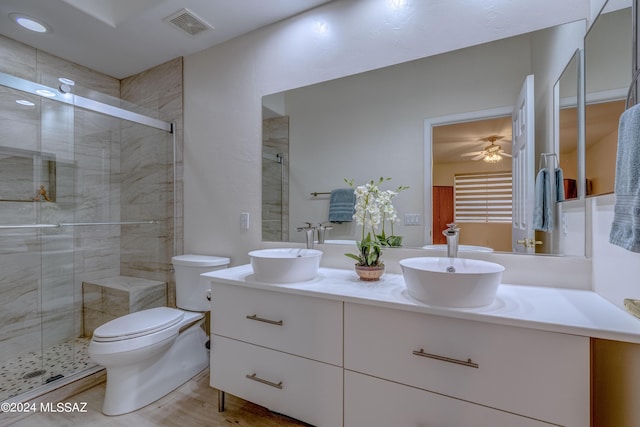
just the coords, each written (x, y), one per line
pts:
(86, 196)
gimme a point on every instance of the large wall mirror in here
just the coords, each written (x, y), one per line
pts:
(608, 69)
(369, 125)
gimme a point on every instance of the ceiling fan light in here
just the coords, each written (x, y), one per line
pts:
(492, 158)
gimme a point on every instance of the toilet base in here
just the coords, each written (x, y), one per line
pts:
(131, 387)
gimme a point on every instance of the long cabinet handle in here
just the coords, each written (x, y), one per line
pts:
(254, 377)
(467, 362)
(261, 319)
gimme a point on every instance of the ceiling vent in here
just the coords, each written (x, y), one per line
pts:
(188, 22)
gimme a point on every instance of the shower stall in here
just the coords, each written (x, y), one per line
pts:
(86, 196)
(275, 179)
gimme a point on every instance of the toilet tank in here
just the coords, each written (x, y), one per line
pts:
(191, 288)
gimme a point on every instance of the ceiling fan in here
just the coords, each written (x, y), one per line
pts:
(492, 153)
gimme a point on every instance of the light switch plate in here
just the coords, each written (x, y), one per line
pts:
(412, 219)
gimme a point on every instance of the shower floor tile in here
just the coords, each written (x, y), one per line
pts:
(30, 371)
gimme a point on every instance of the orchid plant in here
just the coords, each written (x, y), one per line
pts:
(373, 207)
(389, 213)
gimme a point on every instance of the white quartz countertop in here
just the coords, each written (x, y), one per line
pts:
(570, 311)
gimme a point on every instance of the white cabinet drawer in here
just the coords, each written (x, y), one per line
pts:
(373, 402)
(306, 326)
(538, 374)
(300, 388)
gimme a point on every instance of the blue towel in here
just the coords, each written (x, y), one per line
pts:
(559, 185)
(542, 212)
(625, 229)
(342, 205)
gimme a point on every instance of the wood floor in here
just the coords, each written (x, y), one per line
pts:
(193, 404)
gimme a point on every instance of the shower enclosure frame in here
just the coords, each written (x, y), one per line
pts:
(87, 104)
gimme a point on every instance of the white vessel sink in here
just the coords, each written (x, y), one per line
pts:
(285, 265)
(461, 248)
(452, 282)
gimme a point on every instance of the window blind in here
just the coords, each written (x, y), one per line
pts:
(483, 197)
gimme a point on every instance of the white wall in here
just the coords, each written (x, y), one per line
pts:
(224, 86)
(615, 270)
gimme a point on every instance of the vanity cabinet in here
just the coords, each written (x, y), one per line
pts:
(453, 369)
(343, 360)
(279, 350)
(374, 402)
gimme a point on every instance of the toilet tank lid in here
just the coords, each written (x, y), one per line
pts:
(200, 260)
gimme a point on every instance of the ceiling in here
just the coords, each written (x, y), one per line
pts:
(124, 37)
(450, 142)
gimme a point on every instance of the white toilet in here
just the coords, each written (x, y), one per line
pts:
(149, 353)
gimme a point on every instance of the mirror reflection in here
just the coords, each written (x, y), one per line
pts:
(370, 125)
(463, 161)
(568, 158)
(608, 47)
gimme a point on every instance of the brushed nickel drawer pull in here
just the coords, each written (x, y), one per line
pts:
(468, 362)
(260, 380)
(260, 319)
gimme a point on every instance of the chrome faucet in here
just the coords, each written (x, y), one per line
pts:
(322, 229)
(309, 231)
(452, 234)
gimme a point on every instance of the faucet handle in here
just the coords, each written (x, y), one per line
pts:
(452, 230)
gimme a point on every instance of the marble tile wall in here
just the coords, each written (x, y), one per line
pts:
(148, 189)
(41, 272)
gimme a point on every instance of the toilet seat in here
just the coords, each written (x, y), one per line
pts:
(138, 324)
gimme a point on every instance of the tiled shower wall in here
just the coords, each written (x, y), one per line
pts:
(158, 90)
(41, 273)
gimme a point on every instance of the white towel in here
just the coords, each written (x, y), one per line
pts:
(625, 229)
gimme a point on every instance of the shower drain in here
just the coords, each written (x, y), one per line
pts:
(34, 374)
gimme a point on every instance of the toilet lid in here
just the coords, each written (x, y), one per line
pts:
(137, 324)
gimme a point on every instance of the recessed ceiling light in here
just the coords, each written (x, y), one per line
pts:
(25, 102)
(66, 81)
(29, 23)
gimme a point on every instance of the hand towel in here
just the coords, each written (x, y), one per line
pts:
(342, 205)
(542, 213)
(559, 185)
(625, 229)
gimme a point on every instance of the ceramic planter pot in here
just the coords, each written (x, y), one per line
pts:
(369, 274)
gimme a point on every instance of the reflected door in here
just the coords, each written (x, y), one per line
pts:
(523, 174)
(442, 212)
